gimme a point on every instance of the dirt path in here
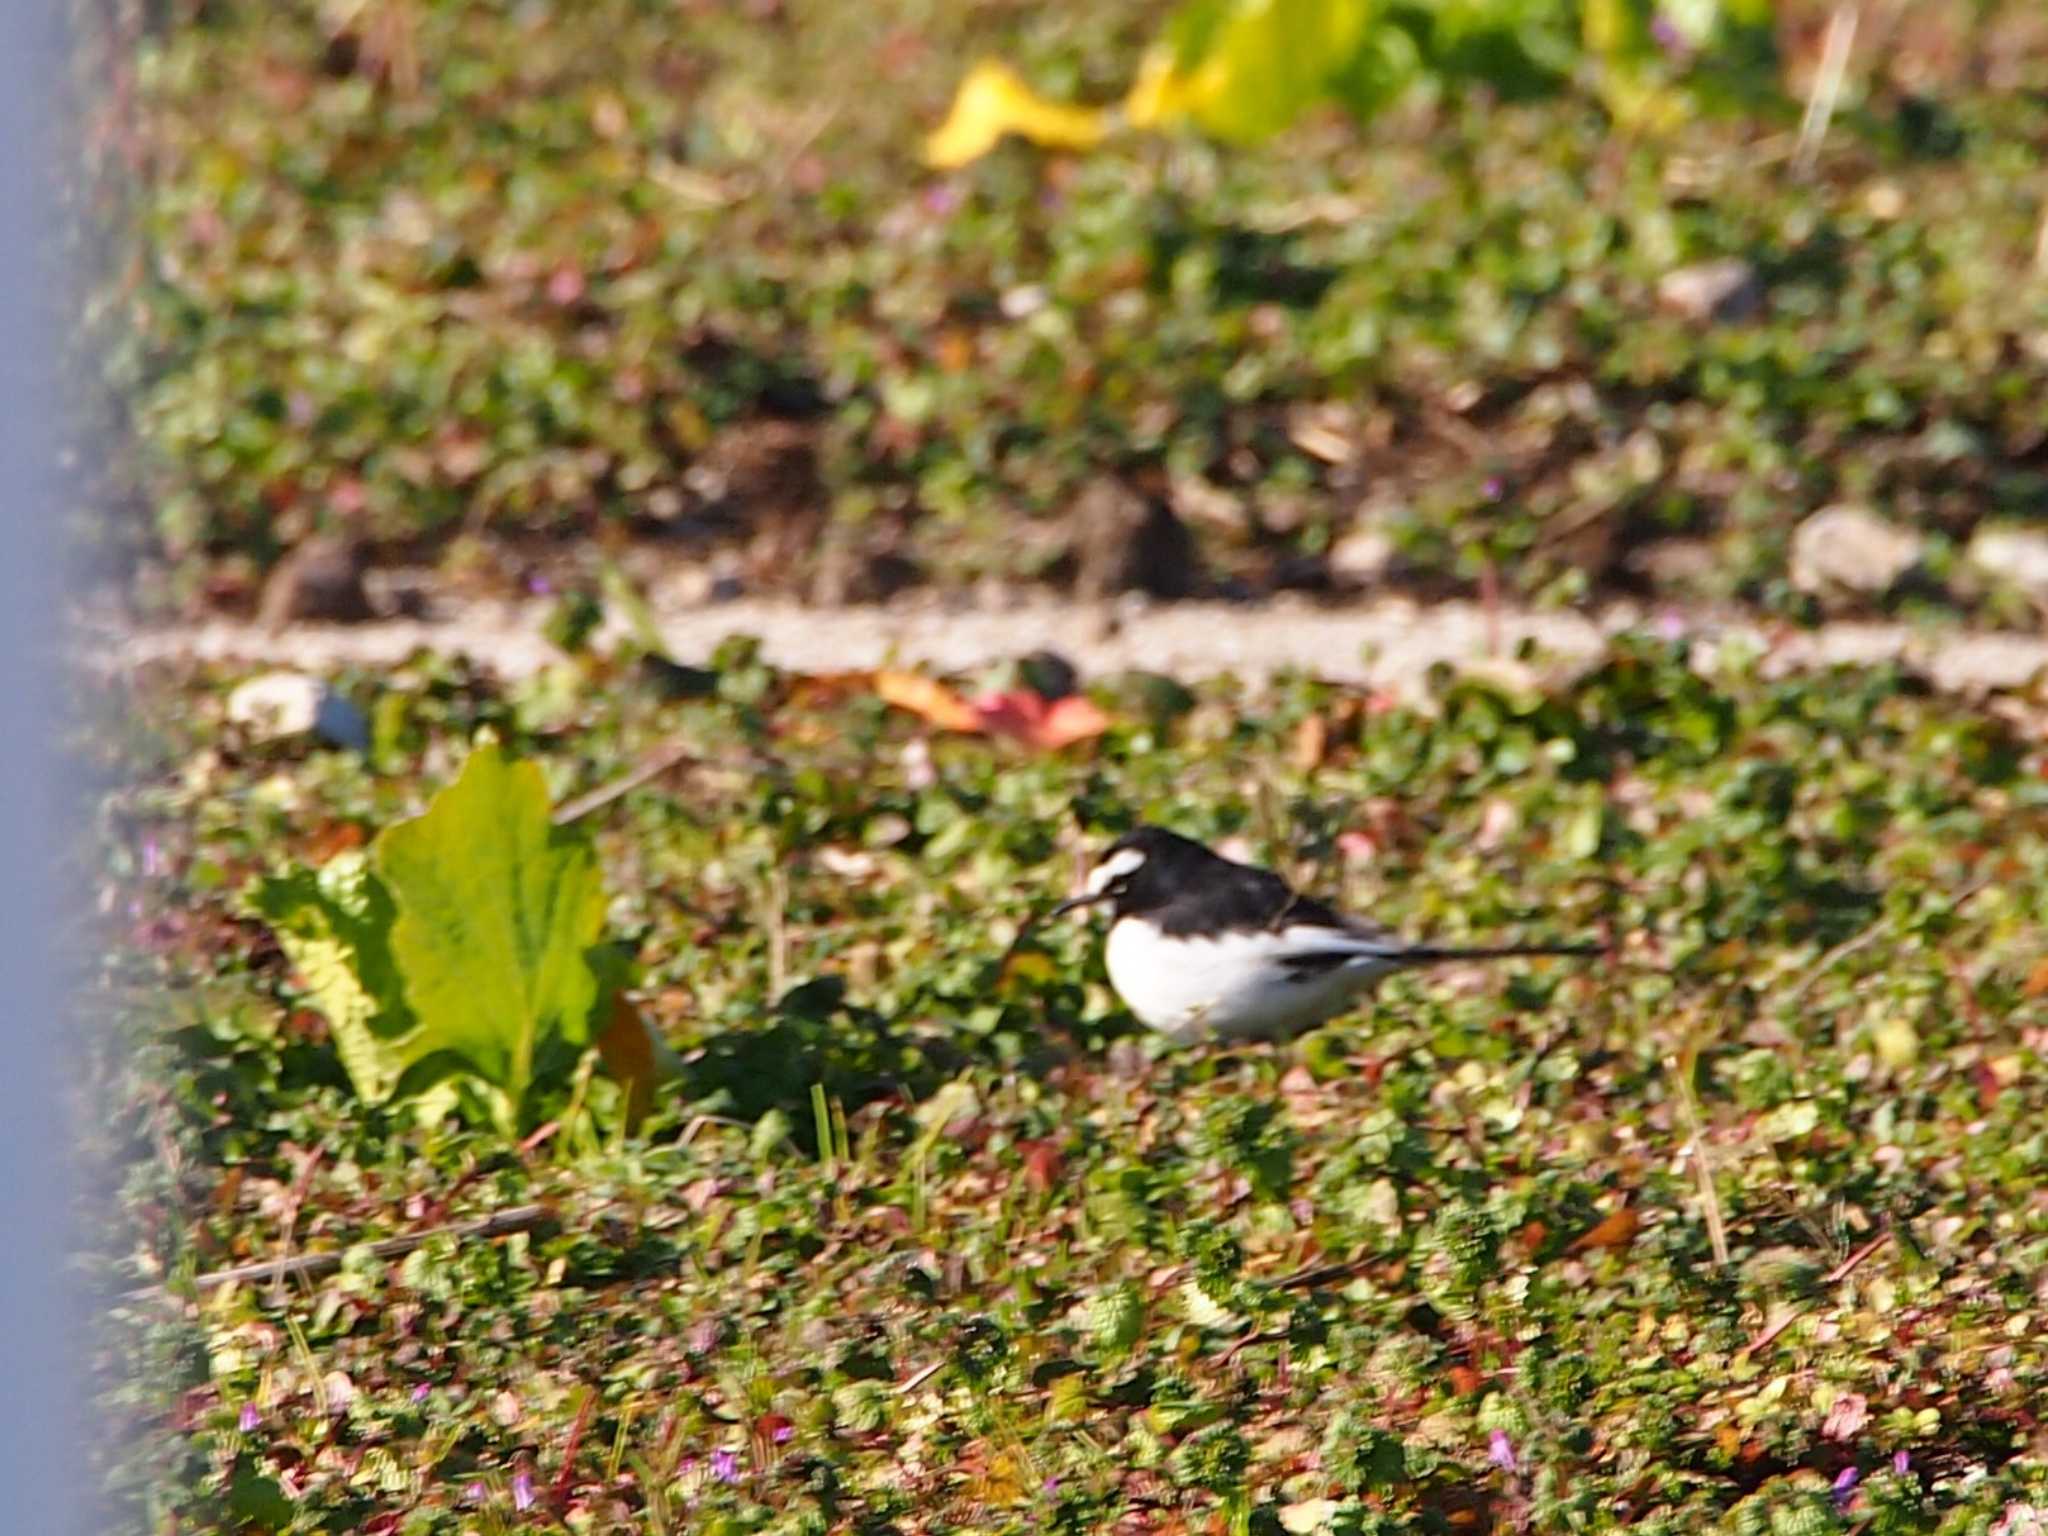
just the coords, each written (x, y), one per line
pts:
(1387, 644)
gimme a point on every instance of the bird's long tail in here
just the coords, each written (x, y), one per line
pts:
(1431, 954)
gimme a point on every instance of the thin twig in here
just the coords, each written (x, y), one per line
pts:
(775, 917)
(1710, 1199)
(919, 1378)
(1792, 1314)
(558, 1495)
(1848, 1266)
(301, 1186)
(1322, 1274)
(1827, 85)
(1248, 1341)
(518, 1218)
(657, 765)
(1864, 940)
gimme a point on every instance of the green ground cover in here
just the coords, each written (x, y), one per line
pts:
(1743, 1230)
(479, 282)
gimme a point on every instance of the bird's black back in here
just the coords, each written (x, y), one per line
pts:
(1187, 890)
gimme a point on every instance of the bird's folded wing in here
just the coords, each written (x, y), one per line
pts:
(1311, 948)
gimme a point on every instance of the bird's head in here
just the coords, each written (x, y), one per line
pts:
(1138, 872)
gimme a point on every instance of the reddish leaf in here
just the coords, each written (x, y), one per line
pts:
(336, 837)
(1032, 719)
(1846, 1418)
(1042, 1162)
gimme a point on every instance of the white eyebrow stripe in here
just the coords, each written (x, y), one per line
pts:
(1123, 862)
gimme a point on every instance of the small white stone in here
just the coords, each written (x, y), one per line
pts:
(1022, 302)
(2015, 555)
(279, 705)
(1361, 556)
(1854, 548)
(1712, 290)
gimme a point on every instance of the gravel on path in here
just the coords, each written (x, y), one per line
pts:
(1389, 644)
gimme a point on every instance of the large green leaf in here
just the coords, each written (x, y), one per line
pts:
(1245, 69)
(334, 923)
(497, 912)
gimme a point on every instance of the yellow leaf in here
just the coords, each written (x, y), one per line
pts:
(1160, 94)
(992, 101)
(1897, 1042)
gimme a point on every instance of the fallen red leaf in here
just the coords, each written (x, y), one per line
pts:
(1041, 1164)
(1019, 715)
(1038, 722)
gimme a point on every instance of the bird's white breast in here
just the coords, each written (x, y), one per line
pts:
(1232, 985)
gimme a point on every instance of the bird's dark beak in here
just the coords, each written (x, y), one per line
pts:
(1075, 903)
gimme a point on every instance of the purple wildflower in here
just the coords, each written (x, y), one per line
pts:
(538, 585)
(725, 1466)
(152, 857)
(1901, 1463)
(474, 1493)
(1501, 1451)
(1493, 487)
(1052, 1486)
(419, 1393)
(1845, 1486)
(784, 1433)
(249, 1419)
(941, 198)
(1665, 34)
(522, 1491)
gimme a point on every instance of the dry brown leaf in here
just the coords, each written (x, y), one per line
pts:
(627, 1050)
(927, 698)
(1617, 1229)
(818, 690)
(1311, 743)
(333, 839)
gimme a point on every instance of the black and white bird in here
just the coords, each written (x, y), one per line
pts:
(1205, 948)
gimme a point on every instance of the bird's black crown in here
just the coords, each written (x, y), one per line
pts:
(1185, 889)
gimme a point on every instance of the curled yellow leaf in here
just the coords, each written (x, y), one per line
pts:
(993, 101)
